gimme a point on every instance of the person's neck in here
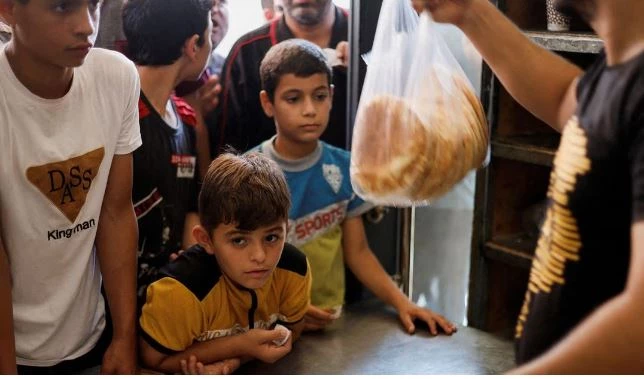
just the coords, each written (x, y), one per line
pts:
(41, 78)
(319, 34)
(620, 26)
(157, 83)
(293, 150)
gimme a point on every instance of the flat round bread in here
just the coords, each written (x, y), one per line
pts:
(392, 151)
(419, 148)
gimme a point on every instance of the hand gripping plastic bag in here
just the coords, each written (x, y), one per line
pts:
(419, 128)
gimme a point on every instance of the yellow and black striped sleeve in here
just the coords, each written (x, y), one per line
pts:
(172, 317)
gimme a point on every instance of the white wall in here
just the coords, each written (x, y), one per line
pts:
(246, 15)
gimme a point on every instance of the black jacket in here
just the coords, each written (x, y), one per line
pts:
(241, 121)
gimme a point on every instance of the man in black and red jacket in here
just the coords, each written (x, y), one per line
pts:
(241, 123)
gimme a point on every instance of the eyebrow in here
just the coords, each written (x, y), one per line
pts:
(290, 90)
(245, 232)
(236, 231)
(298, 90)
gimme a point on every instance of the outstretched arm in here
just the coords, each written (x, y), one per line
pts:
(541, 81)
(364, 264)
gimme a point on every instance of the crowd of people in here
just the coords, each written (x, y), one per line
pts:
(169, 208)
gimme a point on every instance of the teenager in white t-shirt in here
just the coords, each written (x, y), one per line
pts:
(68, 126)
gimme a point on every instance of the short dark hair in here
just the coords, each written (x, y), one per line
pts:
(247, 190)
(157, 29)
(267, 4)
(293, 56)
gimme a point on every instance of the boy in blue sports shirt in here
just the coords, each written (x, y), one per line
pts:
(325, 218)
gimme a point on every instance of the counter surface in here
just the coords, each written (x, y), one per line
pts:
(368, 339)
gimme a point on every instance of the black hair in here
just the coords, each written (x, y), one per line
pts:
(156, 30)
(294, 56)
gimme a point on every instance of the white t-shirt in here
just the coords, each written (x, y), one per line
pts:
(56, 157)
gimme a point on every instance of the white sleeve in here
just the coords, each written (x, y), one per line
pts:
(130, 134)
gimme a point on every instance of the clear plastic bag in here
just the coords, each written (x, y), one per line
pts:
(420, 127)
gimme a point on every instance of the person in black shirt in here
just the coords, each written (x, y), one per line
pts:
(241, 123)
(169, 40)
(582, 310)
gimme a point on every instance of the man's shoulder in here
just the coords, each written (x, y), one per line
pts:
(195, 269)
(262, 31)
(258, 39)
(293, 260)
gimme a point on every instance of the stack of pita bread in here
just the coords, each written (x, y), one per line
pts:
(415, 149)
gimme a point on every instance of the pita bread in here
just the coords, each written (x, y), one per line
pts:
(417, 149)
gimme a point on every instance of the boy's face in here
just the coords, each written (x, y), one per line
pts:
(55, 32)
(301, 107)
(248, 258)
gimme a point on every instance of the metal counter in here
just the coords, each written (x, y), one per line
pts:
(368, 339)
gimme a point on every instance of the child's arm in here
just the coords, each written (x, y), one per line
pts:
(194, 367)
(317, 318)
(296, 330)
(116, 239)
(256, 343)
(7, 339)
(364, 264)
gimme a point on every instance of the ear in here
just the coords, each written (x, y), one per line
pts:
(190, 47)
(202, 237)
(267, 105)
(331, 93)
(269, 14)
